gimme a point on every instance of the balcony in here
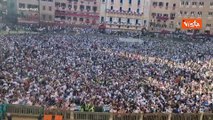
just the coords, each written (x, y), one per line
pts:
(76, 14)
(28, 9)
(124, 12)
(172, 18)
(28, 19)
(164, 18)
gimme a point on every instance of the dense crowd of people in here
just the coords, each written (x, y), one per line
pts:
(72, 70)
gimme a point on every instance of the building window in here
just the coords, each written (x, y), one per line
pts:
(94, 9)
(201, 3)
(139, 2)
(174, 6)
(165, 15)
(111, 7)
(63, 5)
(88, 8)
(199, 13)
(128, 21)
(159, 14)
(153, 14)
(110, 19)
(112, 1)
(103, 1)
(136, 21)
(185, 13)
(182, 3)
(57, 4)
(194, 3)
(75, 7)
(75, 18)
(172, 16)
(50, 17)
(81, 7)
(192, 13)
(63, 17)
(121, 9)
(44, 7)
(160, 4)
(154, 4)
(21, 5)
(208, 25)
(69, 6)
(210, 13)
(130, 1)
(121, 1)
(119, 20)
(144, 22)
(211, 4)
(50, 8)
(129, 10)
(138, 10)
(102, 19)
(167, 5)
(81, 19)
(187, 3)
(69, 18)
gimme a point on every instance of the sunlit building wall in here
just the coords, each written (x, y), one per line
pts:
(162, 15)
(196, 9)
(123, 14)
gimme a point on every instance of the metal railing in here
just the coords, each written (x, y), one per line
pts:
(34, 112)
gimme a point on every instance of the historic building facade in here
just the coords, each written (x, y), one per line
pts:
(27, 11)
(78, 12)
(162, 15)
(202, 9)
(155, 15)
(73, 12)
(122, 14)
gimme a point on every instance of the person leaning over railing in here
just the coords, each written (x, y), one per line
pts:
(87, 108)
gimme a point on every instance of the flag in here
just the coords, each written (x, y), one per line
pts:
(58, 117)
(47, 117)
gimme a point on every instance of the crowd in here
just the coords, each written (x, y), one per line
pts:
(69, 71)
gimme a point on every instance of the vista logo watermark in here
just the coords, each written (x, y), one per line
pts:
(192, 24)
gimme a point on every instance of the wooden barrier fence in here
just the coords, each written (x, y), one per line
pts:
(20, 112)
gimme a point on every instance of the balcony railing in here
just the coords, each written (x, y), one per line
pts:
(31, 112)
(76, 14)
(165, 18)
(122, 12)
(28, 19)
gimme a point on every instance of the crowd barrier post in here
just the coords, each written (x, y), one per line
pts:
(141, 116)
(111, 116)
(201, 116)
(71, 115)
(170, 116)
